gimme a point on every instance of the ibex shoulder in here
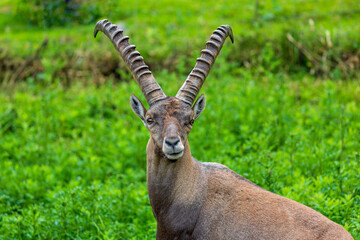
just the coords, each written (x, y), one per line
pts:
(243, 210)
(219, 170)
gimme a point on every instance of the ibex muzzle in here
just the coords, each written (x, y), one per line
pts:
(173, 147)
(194, 200)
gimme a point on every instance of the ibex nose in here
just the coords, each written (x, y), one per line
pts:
(172, 142)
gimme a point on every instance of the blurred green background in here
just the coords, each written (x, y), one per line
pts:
(282, 108)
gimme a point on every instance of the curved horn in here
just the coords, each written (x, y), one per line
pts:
(140, 71)
(196, 78)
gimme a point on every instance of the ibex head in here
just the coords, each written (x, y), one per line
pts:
(169, 122)
(169, 119)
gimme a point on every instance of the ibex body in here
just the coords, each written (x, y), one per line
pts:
(194, 200)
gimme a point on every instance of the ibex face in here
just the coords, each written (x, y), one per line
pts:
(169, 122)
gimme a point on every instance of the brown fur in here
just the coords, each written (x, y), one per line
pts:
(172, 107)
(194, 200)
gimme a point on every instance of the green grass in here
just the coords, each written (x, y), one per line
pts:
(73, 162)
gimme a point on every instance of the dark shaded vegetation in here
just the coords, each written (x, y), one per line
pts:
(317, 40)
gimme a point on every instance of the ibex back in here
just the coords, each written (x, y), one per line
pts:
(194, 200)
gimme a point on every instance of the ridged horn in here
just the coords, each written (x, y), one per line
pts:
(196, 78)
(140, 71)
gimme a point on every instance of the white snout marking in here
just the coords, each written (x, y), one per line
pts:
(175, 152)
(174, 156)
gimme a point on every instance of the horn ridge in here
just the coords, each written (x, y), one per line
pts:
(203, 72)
(216, 37)
(116, 33)
(191, 87)
(135, 63)
(219, 32)
(216, 45)
(121, 39)
(196, 75)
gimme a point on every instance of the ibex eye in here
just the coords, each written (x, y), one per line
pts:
(149, 120)
(191, 121)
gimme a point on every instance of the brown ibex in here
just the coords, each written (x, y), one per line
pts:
(195, 200)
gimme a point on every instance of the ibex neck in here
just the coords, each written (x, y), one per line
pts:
(171, 183)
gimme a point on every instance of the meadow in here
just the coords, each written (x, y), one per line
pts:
(72, 152)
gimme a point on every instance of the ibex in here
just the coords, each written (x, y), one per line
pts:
(195, 200)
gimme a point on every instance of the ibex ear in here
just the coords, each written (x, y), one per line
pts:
(138, 107)
(199, 106)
